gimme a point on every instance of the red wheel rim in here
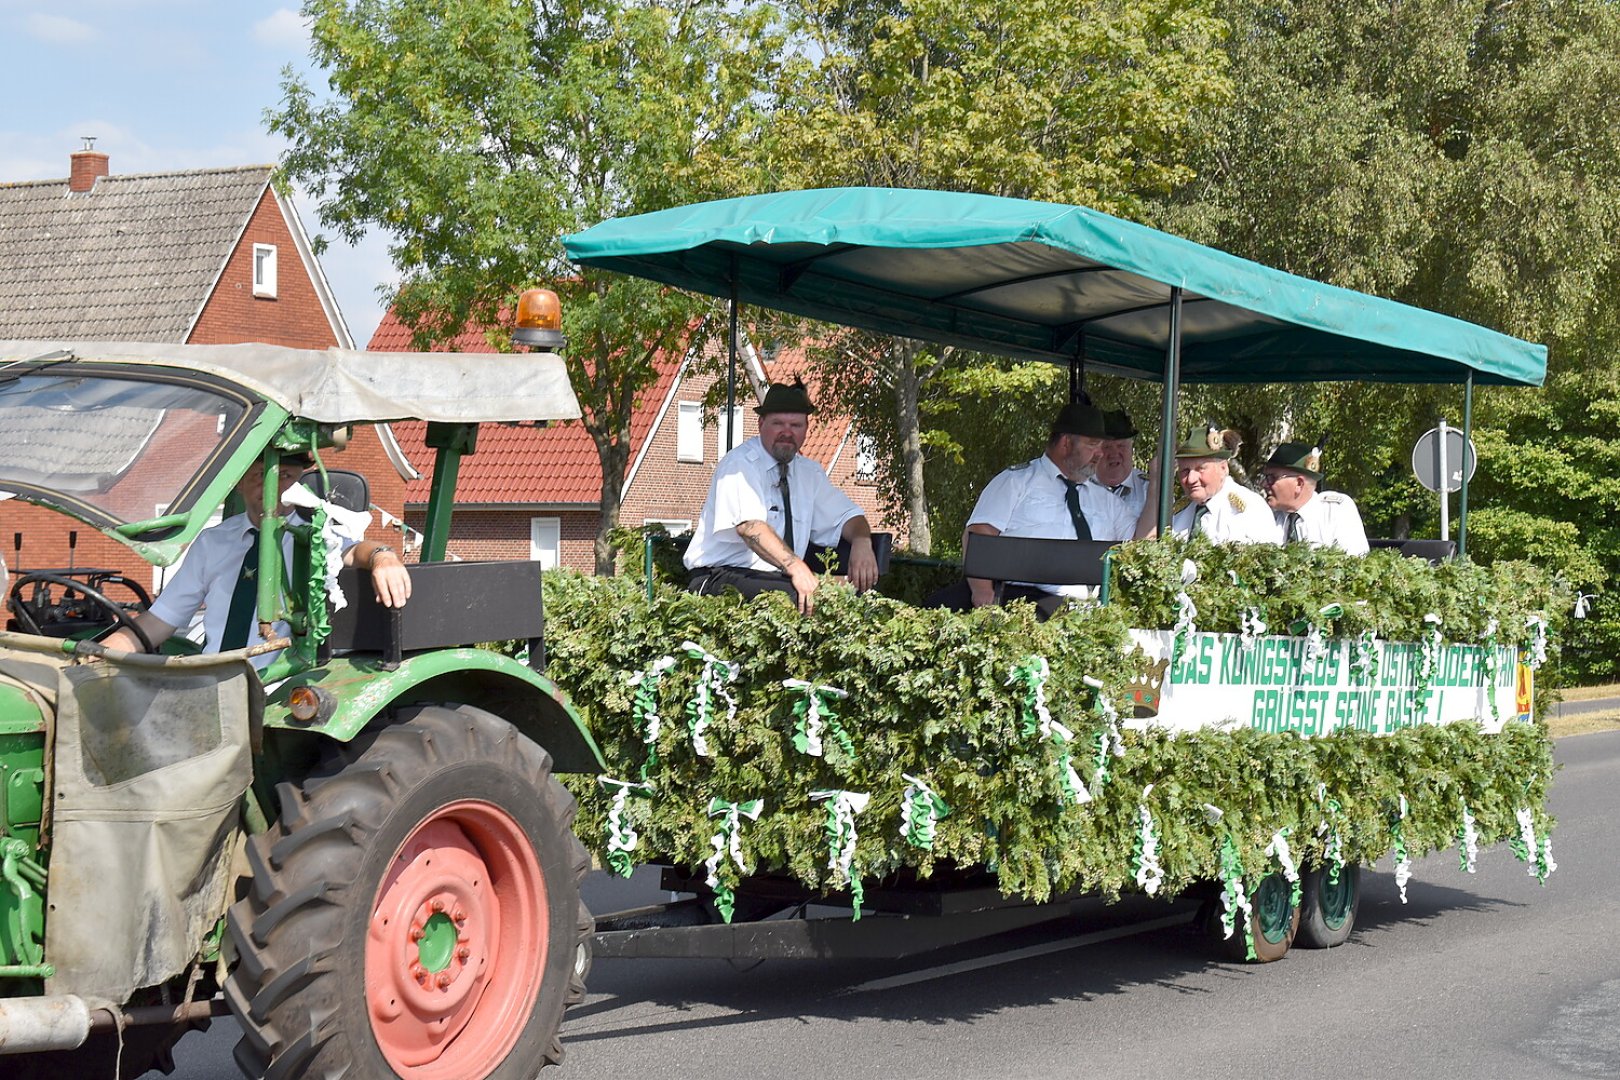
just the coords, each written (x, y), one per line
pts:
(456, 947)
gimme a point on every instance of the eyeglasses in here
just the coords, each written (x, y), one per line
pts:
(1270, 479)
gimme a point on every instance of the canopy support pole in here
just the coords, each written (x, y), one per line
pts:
(1077, 369)
(1468, 441)
(1167, 422)
(731, 366)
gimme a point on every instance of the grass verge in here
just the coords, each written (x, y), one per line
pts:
(1587, 693)
(1582, 723)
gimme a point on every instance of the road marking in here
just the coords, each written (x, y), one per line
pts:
(946, 970)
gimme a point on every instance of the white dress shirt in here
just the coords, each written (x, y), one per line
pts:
(1328, 519)
(745, 488)
(1236, 515)
(1031, 499)
(1117, 511)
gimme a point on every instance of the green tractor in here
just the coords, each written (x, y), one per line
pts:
(350, 835)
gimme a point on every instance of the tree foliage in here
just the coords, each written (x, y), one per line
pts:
(1089, 102)
(1459, 156)
(476, 134)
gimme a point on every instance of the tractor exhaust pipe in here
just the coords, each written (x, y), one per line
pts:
(63, 1021)
(34, 1025)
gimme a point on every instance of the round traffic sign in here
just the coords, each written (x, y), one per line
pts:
(1459, 456)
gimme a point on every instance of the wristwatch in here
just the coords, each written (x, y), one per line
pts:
(380, 549)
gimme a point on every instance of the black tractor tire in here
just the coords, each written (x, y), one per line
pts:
(415, 910)
(1327, 908)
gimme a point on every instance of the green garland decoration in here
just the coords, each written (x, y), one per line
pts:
(920, 811)
(814, 713)
(622, 835)
(1525, 847)
(1109, 740)
(1032, 673)
(1403, 860)
(1364, 660)
(1149, 875)
(842, 808)
(1234, 897)
(1536, 652)
(1488, 667)
(1278, 849)
(717, 674)
(728, 841)
(644, 708)
(1467, 842)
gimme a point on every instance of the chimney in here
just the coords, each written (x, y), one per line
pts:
(88, 164)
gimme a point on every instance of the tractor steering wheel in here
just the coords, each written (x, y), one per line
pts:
(26, 620)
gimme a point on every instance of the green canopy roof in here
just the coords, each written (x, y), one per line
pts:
(1042, 281)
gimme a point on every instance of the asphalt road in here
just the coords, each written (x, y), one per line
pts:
(1477, 976)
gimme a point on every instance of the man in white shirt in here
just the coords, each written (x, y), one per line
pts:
(1217, 505)
(1303, 513)
(768, 505)
(212, 577)
(1118, 488)
(1044, 497)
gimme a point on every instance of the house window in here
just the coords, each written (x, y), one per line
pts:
(673, 526)
(689, 431)
(545, 542)
(865, 458)
(721, 445)
(264, 270)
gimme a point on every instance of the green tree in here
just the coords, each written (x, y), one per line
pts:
(477, 133)
(1459, 155)
(1087, 101)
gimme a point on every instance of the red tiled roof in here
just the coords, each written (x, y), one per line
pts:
(557, 464)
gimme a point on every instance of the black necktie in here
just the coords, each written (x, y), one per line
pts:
(787, 507)
(1292, 532)
(244, 599)
(1200, 512)
(1122, 490)
(1071, 495)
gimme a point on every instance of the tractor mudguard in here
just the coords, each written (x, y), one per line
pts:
(356, 688)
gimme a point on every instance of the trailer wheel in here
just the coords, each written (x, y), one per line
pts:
(1328, 906)
(1274, 922)
(415, 912)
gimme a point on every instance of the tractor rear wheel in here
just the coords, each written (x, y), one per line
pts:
(415, 911)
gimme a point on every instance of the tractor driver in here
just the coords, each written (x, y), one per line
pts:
(218, 576)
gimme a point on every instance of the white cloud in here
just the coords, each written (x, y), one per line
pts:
(59, 29)
(282, 29)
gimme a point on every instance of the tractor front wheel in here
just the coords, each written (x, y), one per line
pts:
(415, 912)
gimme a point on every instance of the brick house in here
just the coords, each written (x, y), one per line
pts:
(205, 256)
(534, 493)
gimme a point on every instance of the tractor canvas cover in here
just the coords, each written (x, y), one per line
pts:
(339, 386)
(149, 770)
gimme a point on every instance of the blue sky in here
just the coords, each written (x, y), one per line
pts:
(163, 84)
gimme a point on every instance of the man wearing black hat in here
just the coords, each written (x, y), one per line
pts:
(1118, 485)
(1218, 507)
(217, 576)
(766, 507)
(1304, 514)
(1045, 497)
